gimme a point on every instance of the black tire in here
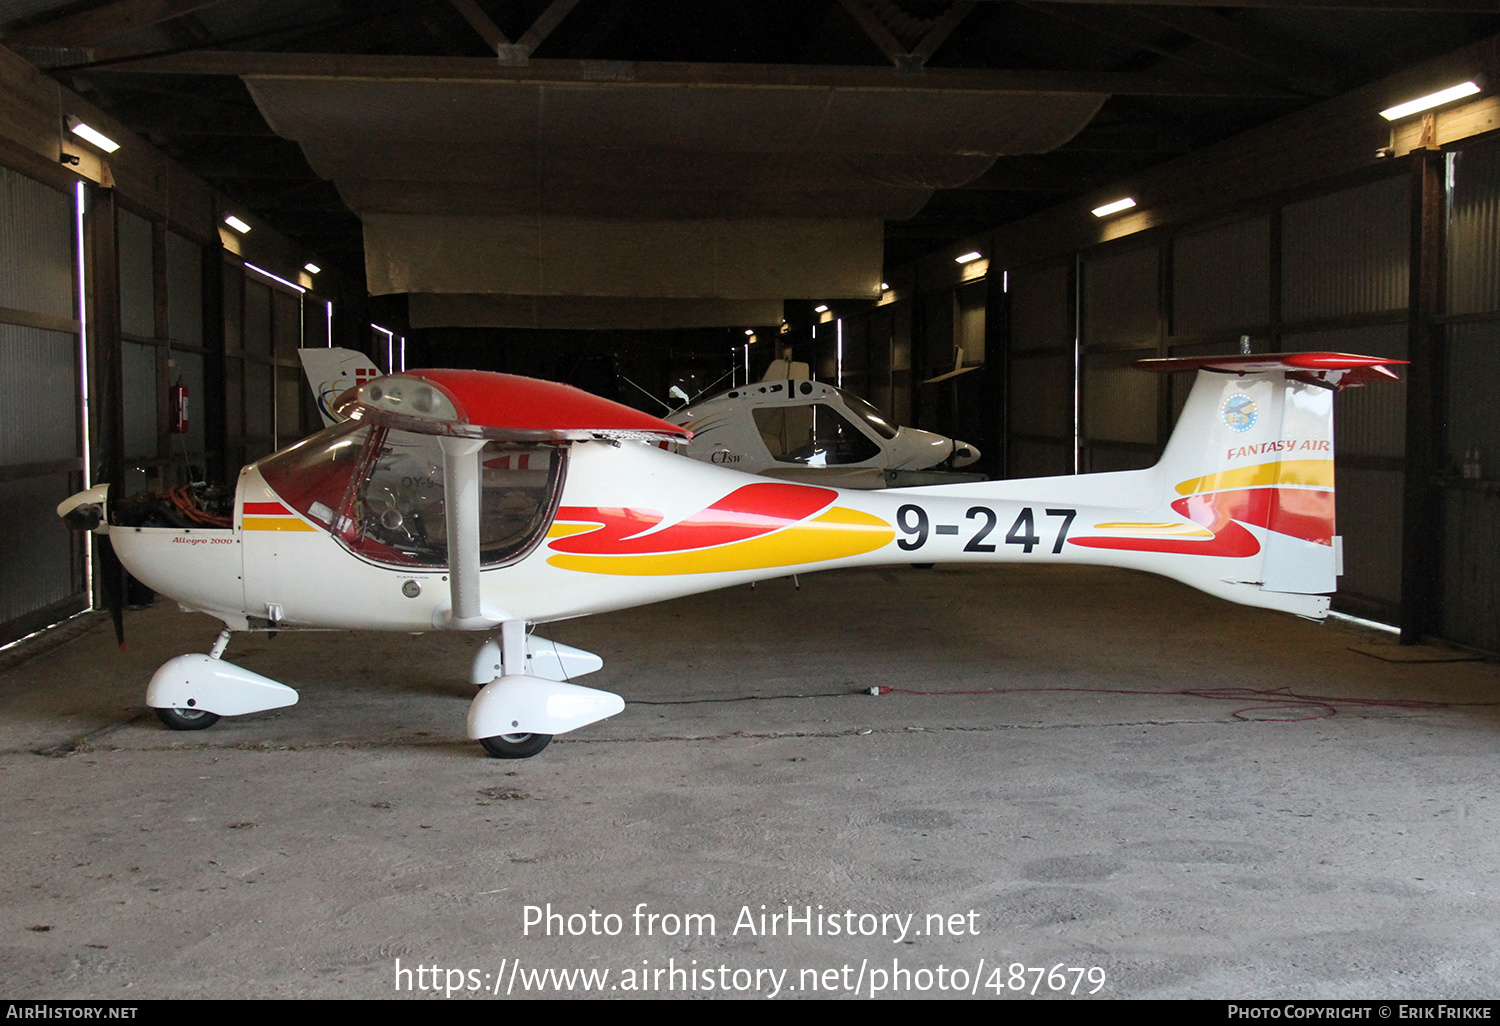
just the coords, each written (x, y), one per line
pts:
(187, 719)
(515, 746)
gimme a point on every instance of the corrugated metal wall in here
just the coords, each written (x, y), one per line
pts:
(286, 328)
(934, 402)
(267, 403)
(1471, 481)
(139, 372)
(1345, 257)
(184, 282)
(1122, 323)
(1471, 496)
(36, 247)
(1347, 253)
(42, 576)
(1221, 280)
(1326, 272)
(1121, 293)
(1042, 373)
(260, 437)
(1474, 230)
(1119, 412)
(161, 318)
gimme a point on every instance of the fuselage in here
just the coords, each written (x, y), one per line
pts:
(634, 525)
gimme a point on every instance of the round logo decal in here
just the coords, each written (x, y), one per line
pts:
(1239, 412)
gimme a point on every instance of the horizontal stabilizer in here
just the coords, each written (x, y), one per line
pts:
(1341, 370)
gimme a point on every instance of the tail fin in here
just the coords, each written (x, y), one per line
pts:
(332, 372)
(1241, 504)
(1254, 449)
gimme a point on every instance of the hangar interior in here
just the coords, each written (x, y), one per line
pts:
(631, 196)
(628, 199)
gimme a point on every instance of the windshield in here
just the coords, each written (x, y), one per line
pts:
(813, 434)
(380, 492)
(869, 414)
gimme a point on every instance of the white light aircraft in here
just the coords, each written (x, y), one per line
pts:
(465, 500)
(791, 428)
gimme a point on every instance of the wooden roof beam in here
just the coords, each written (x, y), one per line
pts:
(482, 23)
(548, 20)
(111, 21)
(937, 33)
(1278, 56)
(521, 50)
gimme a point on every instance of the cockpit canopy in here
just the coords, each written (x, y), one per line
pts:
(379, 491)
(503, 407)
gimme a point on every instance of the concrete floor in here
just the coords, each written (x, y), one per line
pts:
(1185, 846)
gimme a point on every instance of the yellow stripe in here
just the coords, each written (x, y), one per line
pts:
(834, 535)
(1316, 473)
(276, 524)
(1175, 530)
(563, 530)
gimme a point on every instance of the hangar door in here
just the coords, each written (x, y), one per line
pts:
(42, 574)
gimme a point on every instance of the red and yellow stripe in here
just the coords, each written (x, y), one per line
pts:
(272, 516)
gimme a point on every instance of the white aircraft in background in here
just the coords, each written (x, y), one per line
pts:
(465, 500)
(789, 427)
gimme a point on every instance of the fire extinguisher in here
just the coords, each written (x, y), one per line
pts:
(179, 408)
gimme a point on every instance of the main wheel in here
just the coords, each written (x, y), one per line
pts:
(187, 719)
(515, 746)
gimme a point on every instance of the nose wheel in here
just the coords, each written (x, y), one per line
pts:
(515, 746)
(187, 719)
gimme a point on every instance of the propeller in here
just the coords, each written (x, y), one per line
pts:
(85, 512)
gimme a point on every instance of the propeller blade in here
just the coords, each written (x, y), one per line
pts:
(112, 579)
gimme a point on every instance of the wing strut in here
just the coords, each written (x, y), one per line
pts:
(461, 503)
